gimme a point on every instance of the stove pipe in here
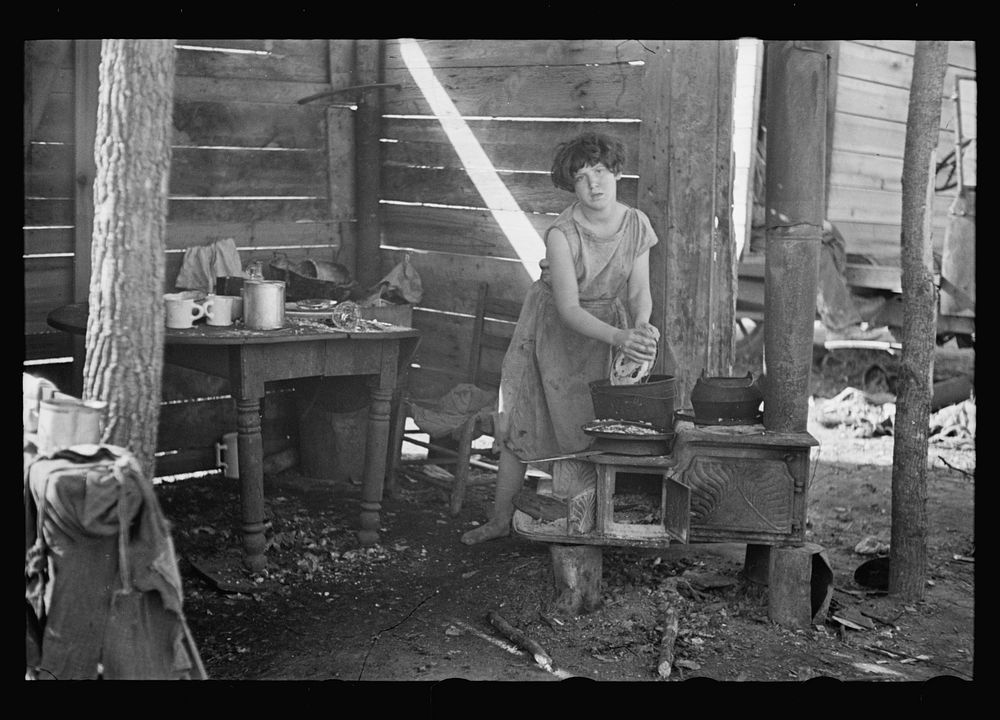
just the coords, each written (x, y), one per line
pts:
(795, 206)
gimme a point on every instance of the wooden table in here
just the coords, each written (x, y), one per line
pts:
(251, 358)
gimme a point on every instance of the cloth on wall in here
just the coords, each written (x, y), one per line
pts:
(102, 587)
(202, 264)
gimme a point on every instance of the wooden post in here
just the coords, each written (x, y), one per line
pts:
(685, 142)
(341, 163)
(789, 592)
(577, 572)
(368, 126)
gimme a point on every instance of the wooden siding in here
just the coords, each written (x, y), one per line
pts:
(864, 197)
(519, 99)
(248, 163)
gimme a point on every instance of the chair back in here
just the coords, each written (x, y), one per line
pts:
(492, 328)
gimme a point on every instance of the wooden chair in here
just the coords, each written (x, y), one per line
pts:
(491, 332)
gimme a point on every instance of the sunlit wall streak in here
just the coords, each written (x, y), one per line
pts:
(523, 237)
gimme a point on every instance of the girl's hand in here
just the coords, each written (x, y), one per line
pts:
(637, 344)
(651, 330)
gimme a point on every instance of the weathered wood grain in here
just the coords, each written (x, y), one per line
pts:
(248, 124)
(49, 172)
(889, 68)
(264, 234)
(533, 192)
(603, 91)
(259, 90)
(48, 283)
(46, 240)
(526, 145)
(463, 231)
(863, 97)
(874, 206)
(961, 53)
(449, 53)
(48, 211)
(228, 172)
(875, 136)
(310, 209)
(296, 60)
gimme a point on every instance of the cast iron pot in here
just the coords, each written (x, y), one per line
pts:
(726, 400)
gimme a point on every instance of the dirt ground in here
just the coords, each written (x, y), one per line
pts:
(414, 607)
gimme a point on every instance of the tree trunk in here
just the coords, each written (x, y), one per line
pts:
(124, 360)
(908, 553)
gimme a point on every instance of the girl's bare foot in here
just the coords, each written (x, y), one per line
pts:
(490, 531)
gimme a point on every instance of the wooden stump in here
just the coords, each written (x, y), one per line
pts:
(789, 596)
(577, 572)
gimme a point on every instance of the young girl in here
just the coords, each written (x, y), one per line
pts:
(593, 296)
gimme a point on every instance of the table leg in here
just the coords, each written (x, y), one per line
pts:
(375, 455)
(251, 452)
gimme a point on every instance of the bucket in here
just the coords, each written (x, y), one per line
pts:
(66, 421)
(651, 402)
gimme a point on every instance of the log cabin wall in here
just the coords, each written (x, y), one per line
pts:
(864, 196)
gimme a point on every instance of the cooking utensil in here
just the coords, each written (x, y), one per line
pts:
(726, 400)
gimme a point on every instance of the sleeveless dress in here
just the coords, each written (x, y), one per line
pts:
(544, 388)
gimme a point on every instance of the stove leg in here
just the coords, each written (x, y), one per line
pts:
(577, 572)
(789, 596)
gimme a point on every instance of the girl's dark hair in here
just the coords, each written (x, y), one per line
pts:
(589, 148)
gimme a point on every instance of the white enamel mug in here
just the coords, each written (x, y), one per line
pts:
(223, 309)
(183, 310)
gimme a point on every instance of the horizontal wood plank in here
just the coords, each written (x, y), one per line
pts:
(874, 206)
(452, 53)
(231, 172)
(264, 234)
(874, 136)
(248, 124)
(48, 284)
(451, 230)
(886, 67)
(526, 145)
(45, 345)
(603, 91)
(290, 210)
(47, 211)
(298, 60)
(261, 90)
(533, 192)
(39, 241)
(56, 122)
(861, 97)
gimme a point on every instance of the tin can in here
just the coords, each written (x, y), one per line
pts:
(264, 304)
